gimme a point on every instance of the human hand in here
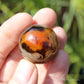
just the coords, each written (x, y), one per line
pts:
(14, 69)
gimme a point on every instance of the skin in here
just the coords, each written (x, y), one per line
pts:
(14, 69)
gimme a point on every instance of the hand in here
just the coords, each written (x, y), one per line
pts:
(14, 69)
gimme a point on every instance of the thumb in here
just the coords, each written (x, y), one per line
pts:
(26, 73)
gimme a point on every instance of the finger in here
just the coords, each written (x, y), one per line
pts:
(45, 16)
(10, 32)
(61, 34)
(26, 73)
(10, 65)
(58, 69)
(55, 71)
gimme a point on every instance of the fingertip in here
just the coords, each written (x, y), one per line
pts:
(23, 14)
(23, 18)
(62, 36)
(45, 16)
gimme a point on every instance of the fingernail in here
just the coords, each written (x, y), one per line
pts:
(24, 72)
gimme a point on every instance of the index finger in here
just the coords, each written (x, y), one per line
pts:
(10, 32)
